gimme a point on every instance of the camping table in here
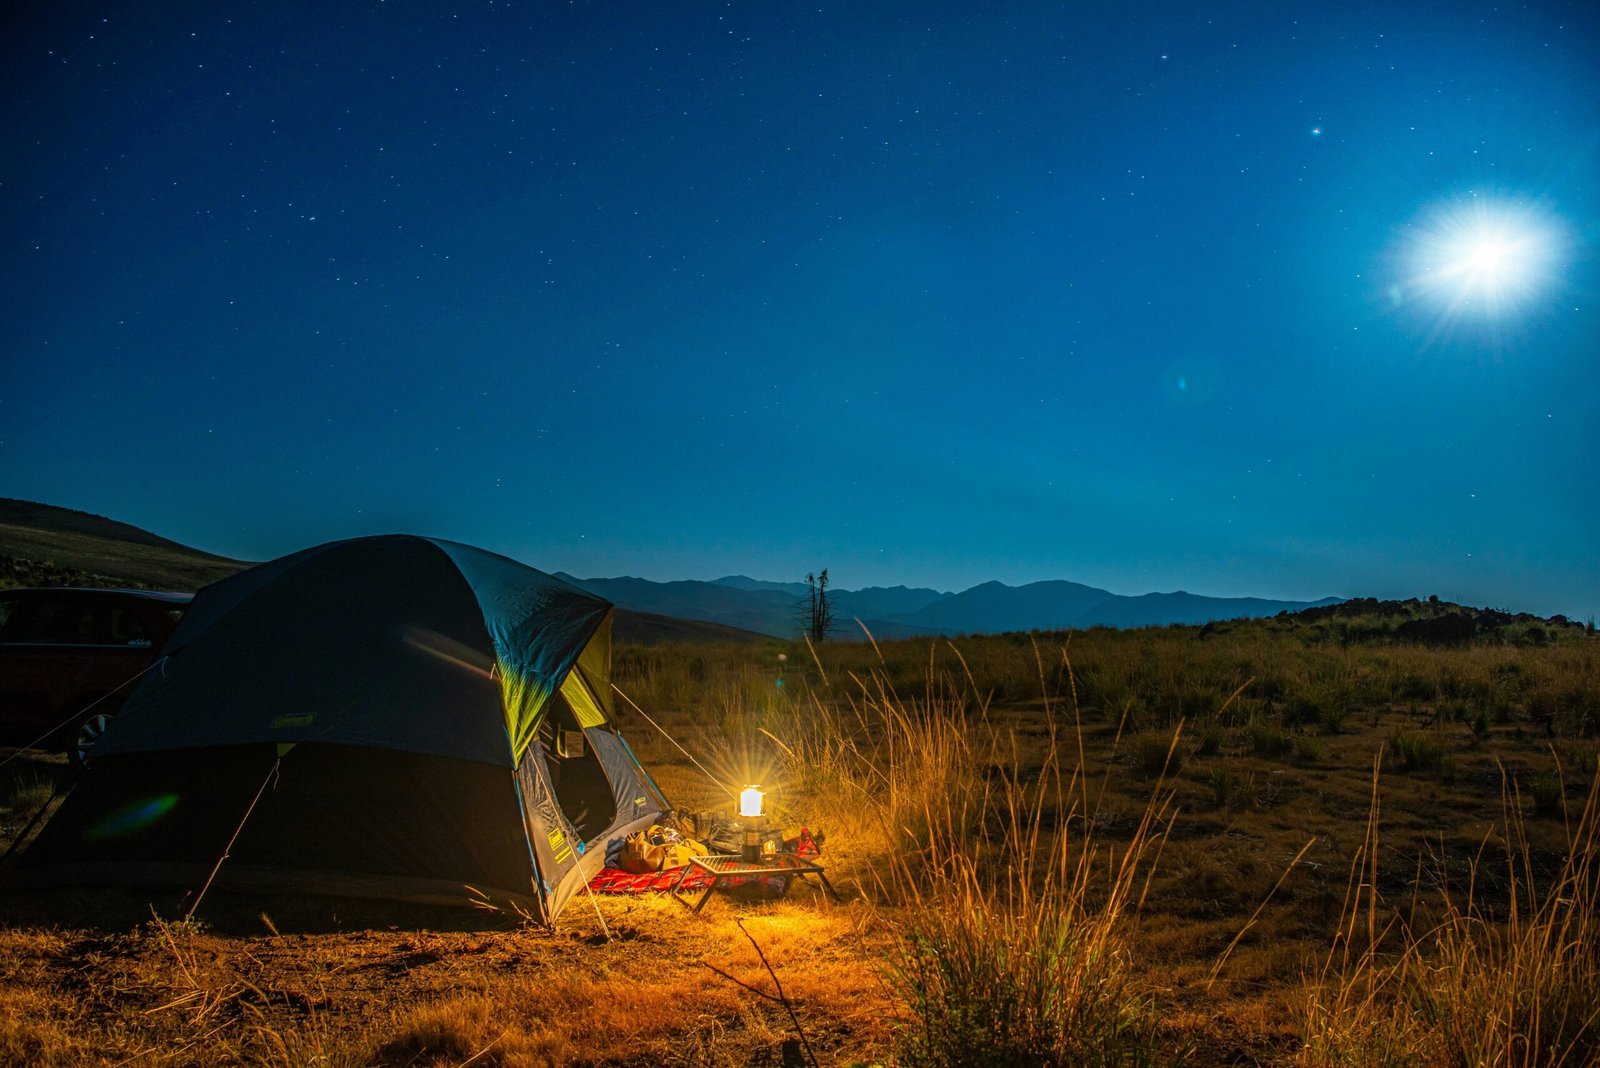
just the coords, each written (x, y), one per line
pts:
(721, 867)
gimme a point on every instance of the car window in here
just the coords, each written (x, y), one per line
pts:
(127, 628)
(7, 610)
(66, 622)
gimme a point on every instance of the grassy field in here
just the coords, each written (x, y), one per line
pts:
(43, 545)
(1326, 839)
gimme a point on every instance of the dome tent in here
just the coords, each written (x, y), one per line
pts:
(394, 717)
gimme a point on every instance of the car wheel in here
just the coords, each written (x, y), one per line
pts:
(83, 739)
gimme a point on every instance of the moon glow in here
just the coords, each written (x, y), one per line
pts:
(1484, 258)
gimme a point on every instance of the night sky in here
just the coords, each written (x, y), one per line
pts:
(1286, 300)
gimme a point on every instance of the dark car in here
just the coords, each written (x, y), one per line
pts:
(68, 658)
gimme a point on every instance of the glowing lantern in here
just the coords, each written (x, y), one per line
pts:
(750, 802)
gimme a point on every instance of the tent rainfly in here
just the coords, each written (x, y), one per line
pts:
(400, 717)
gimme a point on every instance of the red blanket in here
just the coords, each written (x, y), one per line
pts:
(617, 881)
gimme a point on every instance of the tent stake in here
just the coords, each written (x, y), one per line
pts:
(272, 774)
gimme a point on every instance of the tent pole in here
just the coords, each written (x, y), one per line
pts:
(272, 774)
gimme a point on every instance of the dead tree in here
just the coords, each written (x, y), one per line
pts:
(816, 617)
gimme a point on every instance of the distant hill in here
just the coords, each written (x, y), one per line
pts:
(899, 612)
(766, 611)
(43, 545)
(884, 602)
(993, 608)
(1431, 622)
(879, 607)
(744, 582)
(1189, 608)
(646, 628)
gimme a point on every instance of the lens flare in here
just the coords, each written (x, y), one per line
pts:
(1482, 258)
(449, 650)
(133, 816)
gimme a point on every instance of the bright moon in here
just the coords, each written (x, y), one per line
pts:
(1492, 262)
(1483, 257)
(1489, 260)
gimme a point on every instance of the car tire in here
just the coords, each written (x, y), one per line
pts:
(87, 733)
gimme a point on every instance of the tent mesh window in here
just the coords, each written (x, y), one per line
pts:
(581, 785)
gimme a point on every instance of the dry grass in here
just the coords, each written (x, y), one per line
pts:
(162, 994)
(1010, 914)
(1036, 874)
(1509, 983)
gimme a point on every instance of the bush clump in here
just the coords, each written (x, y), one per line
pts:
(1419, 752)
(1268, 740)
(987, 984)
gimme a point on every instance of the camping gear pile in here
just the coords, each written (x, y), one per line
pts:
(617, 880)
(662, 846)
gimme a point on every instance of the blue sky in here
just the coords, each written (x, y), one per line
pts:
(1279, 300)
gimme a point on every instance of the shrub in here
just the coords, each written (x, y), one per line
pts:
(1547, 795)
(1307, 749)
(1229, 788)
(1157, 753)
(1581, 707)
(1270, 687)
(1301, 709)
(1331, 716)
(1417, 752)
(1542, 707)
(1268, 739)
(1414, 687)
(986, 983)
